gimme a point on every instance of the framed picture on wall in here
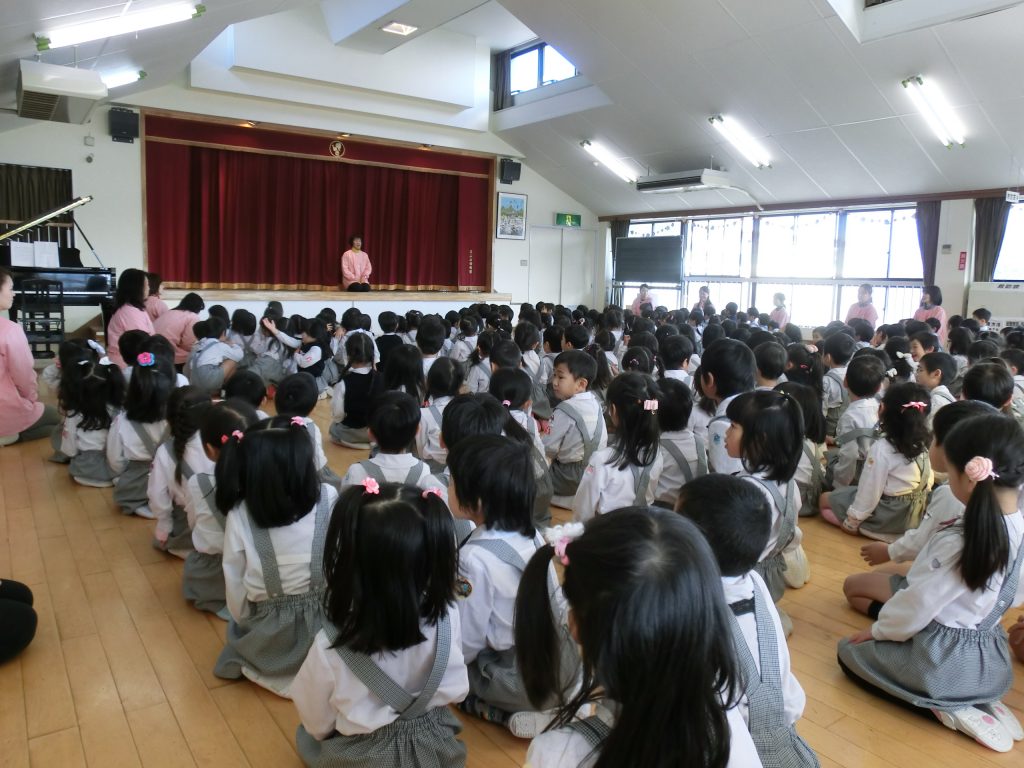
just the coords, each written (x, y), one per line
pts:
(511, 216)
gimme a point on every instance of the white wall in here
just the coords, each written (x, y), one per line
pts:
(544, 200)
(956, 230)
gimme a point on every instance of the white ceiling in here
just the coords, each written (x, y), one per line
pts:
(830, 110)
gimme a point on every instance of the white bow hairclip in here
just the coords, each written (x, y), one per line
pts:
(904, 355)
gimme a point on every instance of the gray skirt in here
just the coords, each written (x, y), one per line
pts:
(180, 541)
(771, 569)
(427, 741)
(270, 369)
(56, 441)
(809, 494)
(339, 433)
(92, 467)
(132, 489)
(897, 582)
(494, 679)
(940, 667)
(566, 477)
(209, 378)
(274, 640)
(888, 522)
(545, 490)
(202, 581)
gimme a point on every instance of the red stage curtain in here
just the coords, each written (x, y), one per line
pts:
(241, 219)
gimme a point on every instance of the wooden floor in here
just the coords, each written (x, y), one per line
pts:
(120, 671)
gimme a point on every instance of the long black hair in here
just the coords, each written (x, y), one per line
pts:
(389, 562)
(647, 599)
(634, 396)
(810, 407)
(805, 367)
(153, 379)
(404, 370)
(773, 433)
(131, 289)
(90, 390)
(185, 409)
(904, 418)
(999, 439)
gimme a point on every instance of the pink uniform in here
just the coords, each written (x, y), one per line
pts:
(127, 318)
(175, 325)
(355, 268)
(155, 306)
(637, 302)
(939, 314)
(780, 316)
(863, 312)
(19, 404)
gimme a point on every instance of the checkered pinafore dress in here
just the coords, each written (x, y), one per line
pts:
(773, 566)
(419, 737)
(945, 668)
(202, 580)
(273, 641)
(778, 745)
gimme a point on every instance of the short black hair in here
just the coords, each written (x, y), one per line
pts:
(675, 405)
(220, 420)
(950, 415)
(862, 328)
(390, 562)
(637, 360)
(926, 339)
(773, 432)
(990, 383)
(430, 336)
(731, 363)
(478, 414)
(445, 377)
(211, 328)
(190, 302)
(296, 395)
(734, 517)
(129, 344)
(243, 322)
(505, 354)
(155, 281)
(579, 364)
(219, 310)
(246, 385)
(505, 498)
(935, 294)
(864, 376)
(941, 362)
(982, 314)
(388, 321)
(1015, 358)
(771, 358)
(394, 419)
(840, 347)
(982, 349)
(512, 386)
(577, 336)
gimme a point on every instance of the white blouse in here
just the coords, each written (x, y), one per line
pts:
(886, 472)
(605, 487)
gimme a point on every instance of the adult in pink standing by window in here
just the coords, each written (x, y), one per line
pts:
(779, 315)
(22, 416)
(644, 297)
(175, 325)
(130, 311)
(355, 266)
(863, 309)
(931, 306)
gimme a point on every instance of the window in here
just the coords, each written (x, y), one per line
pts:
(656, 228)
(539, 65)
(804, 243)
(1010, 265)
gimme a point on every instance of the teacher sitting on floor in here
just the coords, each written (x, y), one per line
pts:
(355, 266)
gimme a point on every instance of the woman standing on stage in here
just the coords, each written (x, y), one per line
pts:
(355, 266)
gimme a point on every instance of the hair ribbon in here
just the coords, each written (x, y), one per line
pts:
(904, 355)
(298, 421)
(506, 403)
(651, 405)
(371, 486)
(561, 536)
(892, 373)
(431, 492)
(980, 469)
(146, 359)
(917, 405)
(96, 346)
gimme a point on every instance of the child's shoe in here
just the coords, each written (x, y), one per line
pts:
(980, 726)
(1009, 721)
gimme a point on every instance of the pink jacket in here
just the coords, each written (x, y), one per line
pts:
(780, 315)
(175, 325)
(155, 306)
(127, 318)
(355, 268)
(19, 393)
(938, 313)
(866, 312)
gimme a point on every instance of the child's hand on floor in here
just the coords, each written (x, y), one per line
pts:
(861, 637)
(875, 553)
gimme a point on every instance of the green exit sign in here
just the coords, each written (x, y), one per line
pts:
(568, 220)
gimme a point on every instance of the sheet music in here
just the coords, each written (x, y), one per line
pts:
(46, 254)
(22, 254)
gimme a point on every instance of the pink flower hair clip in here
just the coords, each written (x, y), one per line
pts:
(146, 359)
(979, 469)
(298, 421)
(651, 405)
(431, 492)
(917, 405)
(506, 403)
(371, 486)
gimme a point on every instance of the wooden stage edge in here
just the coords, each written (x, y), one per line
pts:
(214, 296)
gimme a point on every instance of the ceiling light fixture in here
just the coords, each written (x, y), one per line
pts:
(397, 28)
(101, 29)
(609, 161)
(122, 77)
(936, 110)
(738, 136)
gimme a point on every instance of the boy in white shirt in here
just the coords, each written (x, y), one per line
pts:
(856, 429)
(675, 352)
(838, 349)
(771, 359)
(1014, 358)
(684, 454)
(935, 371)
(394, 422)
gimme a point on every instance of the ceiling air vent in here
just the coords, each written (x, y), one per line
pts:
(60, 94)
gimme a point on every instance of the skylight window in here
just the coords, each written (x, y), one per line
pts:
(539, 65)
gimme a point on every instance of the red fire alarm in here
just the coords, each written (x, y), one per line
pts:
(963, 261)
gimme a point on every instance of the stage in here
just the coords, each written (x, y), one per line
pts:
(309, 303)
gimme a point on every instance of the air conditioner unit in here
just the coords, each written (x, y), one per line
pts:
(60, 94)
(684, 181)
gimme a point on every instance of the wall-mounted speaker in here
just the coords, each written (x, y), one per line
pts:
(509, 170)
(124, 125)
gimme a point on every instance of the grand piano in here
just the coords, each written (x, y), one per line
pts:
(82, 286)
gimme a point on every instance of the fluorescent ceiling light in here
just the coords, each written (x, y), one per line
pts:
(936, 110)
(397, 28)
(737, 135)
(609, 161)
(121, 77)
(125, 24)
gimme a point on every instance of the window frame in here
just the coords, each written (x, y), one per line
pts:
(538, 46)
(1018, 207)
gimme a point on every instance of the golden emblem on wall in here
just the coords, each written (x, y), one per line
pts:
(337, 149)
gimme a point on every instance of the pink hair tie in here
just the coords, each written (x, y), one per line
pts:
(238, 435)
(506, 403)
(980, 469)
(431, 492)
(224, 439)
(651, 405)
(917, 405)
(146, 359)
(371, 486)
(298, 421)
(560, 546)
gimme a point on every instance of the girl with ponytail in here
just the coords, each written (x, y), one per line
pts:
(646, 606)
(937, 643)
